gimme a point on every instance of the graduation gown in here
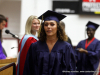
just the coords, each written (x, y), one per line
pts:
(40, 62)
(88, 63)
(24, 45)
(2, 55)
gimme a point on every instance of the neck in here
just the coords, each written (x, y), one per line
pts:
(90, 38)
(51, 38)
(34, 33)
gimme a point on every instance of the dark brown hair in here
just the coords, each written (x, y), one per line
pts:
(60, 33)
(2, 18)
(62, 24)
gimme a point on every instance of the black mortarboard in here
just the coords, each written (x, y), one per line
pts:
(51, 15)
(92, 25)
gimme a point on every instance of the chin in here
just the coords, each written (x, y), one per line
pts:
(49, 34)
(37, 30)
(89, 35)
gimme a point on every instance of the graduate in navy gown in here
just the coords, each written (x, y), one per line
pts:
(51, 55)
(88, 52)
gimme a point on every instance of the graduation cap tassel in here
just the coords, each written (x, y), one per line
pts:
(42, 19)
(40, 27)
(85, 33)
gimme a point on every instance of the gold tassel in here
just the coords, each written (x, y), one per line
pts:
(40, 27)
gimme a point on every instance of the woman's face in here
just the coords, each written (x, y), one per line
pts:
(50, 27)
(2, 25)
(90, 32)
(35, 25)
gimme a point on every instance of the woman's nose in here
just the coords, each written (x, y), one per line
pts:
(49, 26)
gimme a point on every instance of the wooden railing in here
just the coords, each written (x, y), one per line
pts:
(8, 66)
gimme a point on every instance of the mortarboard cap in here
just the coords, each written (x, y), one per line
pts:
(51, 15)
(92, 25)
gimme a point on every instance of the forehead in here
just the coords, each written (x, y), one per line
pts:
(3, 21)
(90, 29)
(35, 20)
(50, 21)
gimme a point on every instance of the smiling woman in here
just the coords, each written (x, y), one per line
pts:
(35, 26)
(88, 51)
(51, 54)
(31, 28)
(90, 32)
(50, 27)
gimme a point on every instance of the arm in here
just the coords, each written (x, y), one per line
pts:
(2, 55)
(94, 55)
(77, 50)
(24, 47)
(81, 50)
(72, 60)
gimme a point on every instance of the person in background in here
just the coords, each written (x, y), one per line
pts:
(31, 29)
(51, 55)
(88, 51)
(3, 21)
(63, 26)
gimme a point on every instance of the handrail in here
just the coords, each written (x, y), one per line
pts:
(9, 65)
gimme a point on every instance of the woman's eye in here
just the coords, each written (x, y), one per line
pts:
(34, 23)
(45, 24)
(52, 24)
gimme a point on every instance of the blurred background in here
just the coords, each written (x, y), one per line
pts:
(78, 13)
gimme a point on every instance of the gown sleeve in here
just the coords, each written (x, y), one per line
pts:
(22, 54)
(70, 59)
(94, 55)
(29, 62)
(2, 55)
(76, 50)
(78, 56)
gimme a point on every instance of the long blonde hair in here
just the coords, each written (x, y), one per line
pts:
(29, 24)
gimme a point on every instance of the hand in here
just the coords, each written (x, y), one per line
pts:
(81, 50)
(9, 57)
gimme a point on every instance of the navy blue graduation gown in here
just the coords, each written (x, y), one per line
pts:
(88, 63)
(60, 61)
